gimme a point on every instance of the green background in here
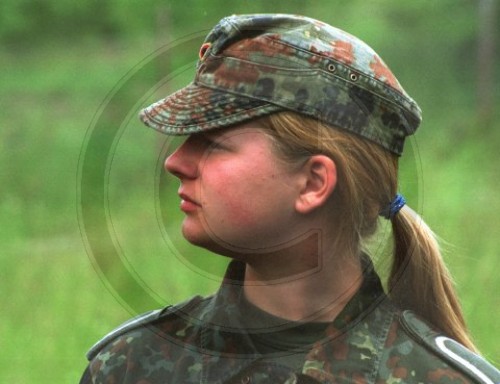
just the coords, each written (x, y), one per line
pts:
(73, 69)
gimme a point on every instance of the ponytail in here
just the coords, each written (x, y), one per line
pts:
(367, 180)
(419, 279)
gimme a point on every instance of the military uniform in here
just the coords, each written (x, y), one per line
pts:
(202, 341)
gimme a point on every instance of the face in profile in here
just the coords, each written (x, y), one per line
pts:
(235, 192)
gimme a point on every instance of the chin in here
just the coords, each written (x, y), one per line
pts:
(200, 240)
(203, 240)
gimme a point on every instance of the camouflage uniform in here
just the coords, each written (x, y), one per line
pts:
(200, 341)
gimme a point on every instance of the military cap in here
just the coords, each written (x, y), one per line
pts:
(255, 65)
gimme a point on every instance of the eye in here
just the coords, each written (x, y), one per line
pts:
(217, 145)
(212, 143)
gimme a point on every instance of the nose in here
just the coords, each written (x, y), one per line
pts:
(183, 162)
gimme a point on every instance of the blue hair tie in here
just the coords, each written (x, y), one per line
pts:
(394, 207)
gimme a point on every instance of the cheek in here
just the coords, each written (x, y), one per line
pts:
(244, 212)
(240, 212)
(229, 202)
(249, 201)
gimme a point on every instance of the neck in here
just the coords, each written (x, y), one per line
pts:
(305, 282)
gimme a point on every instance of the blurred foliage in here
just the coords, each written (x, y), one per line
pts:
(67, 66)
(28, 22)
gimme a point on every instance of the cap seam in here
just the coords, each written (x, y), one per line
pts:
(399, 95)
(329, 58)
(383, 100)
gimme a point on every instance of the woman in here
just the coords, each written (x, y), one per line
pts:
(295, 129)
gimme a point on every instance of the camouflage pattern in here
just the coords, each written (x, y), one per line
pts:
(254, 65)
(201, 342)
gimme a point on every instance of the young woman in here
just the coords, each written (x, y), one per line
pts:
(294, 132)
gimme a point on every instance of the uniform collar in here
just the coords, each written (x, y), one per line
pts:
(225, 306)
(359, 330)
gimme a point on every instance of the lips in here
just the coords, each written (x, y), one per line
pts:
(186, 197)
(187, 203)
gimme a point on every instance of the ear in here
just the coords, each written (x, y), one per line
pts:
(319, 181)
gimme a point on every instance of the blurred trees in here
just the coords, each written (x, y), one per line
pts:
(25, 21)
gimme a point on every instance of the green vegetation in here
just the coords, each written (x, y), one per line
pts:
(62, 64)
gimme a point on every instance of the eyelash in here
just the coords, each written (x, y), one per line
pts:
(216, 146)
(213, 144)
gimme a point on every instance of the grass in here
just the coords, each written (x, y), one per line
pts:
(55, 304)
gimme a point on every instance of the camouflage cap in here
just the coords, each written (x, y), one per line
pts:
(255, 65)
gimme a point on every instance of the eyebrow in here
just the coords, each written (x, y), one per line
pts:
(206, 136)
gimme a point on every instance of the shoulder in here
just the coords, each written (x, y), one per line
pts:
(142, 326)
(435, 357)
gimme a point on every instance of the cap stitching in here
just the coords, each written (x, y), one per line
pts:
(408, 103)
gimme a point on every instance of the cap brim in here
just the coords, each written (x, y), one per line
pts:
(195, 108)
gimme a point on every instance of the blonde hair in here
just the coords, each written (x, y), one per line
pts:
(367, 182)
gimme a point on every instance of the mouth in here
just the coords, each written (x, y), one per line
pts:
(187, 203)
(185, 197)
